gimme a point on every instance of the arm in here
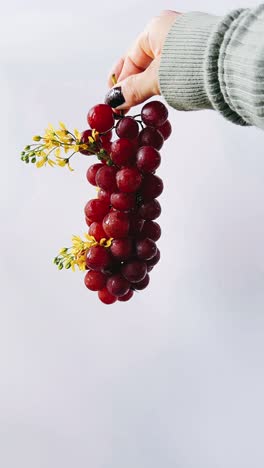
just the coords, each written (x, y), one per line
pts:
(198, 61)
(211, 62)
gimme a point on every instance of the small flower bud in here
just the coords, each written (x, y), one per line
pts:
(67, 266)
(22, 153)
(60, 266)
(36, 138)
(63, 250)
(33, 160)
(27, 148)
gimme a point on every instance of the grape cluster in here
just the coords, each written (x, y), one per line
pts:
(126, 206)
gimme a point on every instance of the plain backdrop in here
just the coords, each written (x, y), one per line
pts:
(175, 377)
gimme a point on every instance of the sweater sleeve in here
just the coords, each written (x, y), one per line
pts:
(211, 62)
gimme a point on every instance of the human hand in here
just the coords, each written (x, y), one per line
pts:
(137, 71)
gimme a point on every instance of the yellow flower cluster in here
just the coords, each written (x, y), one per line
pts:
(76, 255)
(52, 144)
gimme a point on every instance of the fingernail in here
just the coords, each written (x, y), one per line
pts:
(114, 97)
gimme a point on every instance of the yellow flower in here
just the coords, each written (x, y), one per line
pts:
(76, 148)
(41, 162)
(70, 168)
(61, 162)
(77, 134)
(83, 146)
(57, 152)
(51, 162)
(95, 134)
(89, 238)
(62, 134)
(106, 242)
(91, 140)
(62, 125)
(50, 127)
(48, 143)
(76, 239)
(76, 255)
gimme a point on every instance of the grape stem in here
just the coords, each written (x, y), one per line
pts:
(141, 124)
(110, 129)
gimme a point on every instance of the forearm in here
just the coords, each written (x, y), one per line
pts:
(209, 62)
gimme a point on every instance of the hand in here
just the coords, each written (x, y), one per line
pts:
(137, 71)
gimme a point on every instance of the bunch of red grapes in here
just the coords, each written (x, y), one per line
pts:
(126, 207)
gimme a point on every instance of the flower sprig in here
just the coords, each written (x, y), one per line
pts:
(70, 257)
(48, 148)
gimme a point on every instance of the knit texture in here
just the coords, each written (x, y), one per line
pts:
(211, 62)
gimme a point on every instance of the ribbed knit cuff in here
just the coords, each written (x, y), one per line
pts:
(181, 73)
(221, 66)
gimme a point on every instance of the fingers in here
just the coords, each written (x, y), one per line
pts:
(136, 60)
(116, 70)
(138, 57)
(136, 88)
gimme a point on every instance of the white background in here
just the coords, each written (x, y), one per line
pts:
(175, 377)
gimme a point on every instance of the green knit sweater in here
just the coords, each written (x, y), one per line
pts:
(211, 62)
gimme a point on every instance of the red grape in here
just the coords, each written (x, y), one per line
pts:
(142, 284)
(148, 159)
(127, 296)
(152, 187)
(128, 180)
(136, 224)
(107, 145)
(117, 285)
(154, 113)
(92, 171)
(104, 195)
(85, 139)
(96, 230)
(122, 249)
(105, 297)
(127, 128)
(123, 201)
(96, 209)
(106, 178)
(152, 230)
(150, 210)
(123, 152)
(112, 268)
(146, 249)
(98, 257)
(88, 221)
(106, 137)
(100, 117)
(95, 280)
(116, 224)
(134, 270)
(165, 129)
(153, 261)
(150, 136)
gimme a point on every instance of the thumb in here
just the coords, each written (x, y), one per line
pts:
(135, 89)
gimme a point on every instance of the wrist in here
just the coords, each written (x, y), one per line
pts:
(181, 72)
